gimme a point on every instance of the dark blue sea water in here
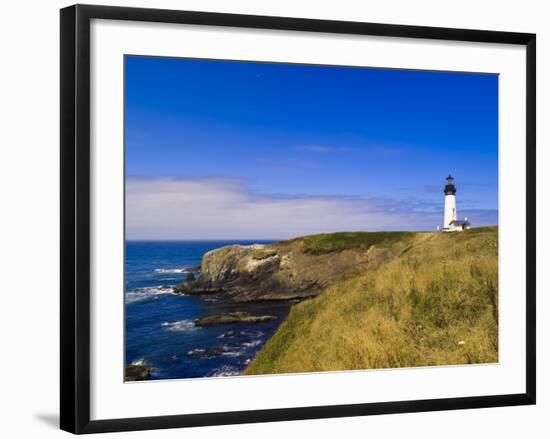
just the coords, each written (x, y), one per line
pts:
(159, 324)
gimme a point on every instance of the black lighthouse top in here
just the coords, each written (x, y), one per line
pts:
(450, 188)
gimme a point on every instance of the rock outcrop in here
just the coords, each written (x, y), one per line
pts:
(233, 317)
(280, 271)
(137, 372)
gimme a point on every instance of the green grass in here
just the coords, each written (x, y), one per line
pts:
(263, 254)
(335, 242)
(434, 302)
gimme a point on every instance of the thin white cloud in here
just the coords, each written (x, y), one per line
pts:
(217, 208)
(369, 148)
(323, 149)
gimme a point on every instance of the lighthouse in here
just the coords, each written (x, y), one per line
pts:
(450, 222)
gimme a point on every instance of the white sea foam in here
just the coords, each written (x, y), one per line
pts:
(226, 371)
(236, 353)
(179, 325)
(240, 349)
(138, 362)
(236, 334)
(253, 343)
(175, 270)
(196, 351)
(207, 353)
(140, 294)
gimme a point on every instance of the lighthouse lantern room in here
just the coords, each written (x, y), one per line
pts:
(450, 222)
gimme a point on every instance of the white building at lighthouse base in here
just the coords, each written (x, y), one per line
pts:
(457, 226)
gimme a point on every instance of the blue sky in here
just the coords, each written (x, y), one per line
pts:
(346, 147)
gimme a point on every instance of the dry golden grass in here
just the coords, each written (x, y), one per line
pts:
(435, 302)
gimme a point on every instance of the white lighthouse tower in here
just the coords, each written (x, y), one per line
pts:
(450, 222)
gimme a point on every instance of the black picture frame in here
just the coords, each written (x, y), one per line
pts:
(75, 217)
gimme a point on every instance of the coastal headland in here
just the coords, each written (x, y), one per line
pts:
(364, 300)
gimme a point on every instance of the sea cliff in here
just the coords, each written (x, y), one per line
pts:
(296, 269)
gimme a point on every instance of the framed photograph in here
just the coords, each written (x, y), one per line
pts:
(268, 218)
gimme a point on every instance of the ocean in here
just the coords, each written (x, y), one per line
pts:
(159, 329)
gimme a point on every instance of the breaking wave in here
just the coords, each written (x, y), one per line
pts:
(179, 325)
(252, 344)
(145, 293)
(176, 270)
(245, 333)
(225, 371)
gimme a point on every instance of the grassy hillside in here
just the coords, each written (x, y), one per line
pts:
(335, 242)
(433, 302)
